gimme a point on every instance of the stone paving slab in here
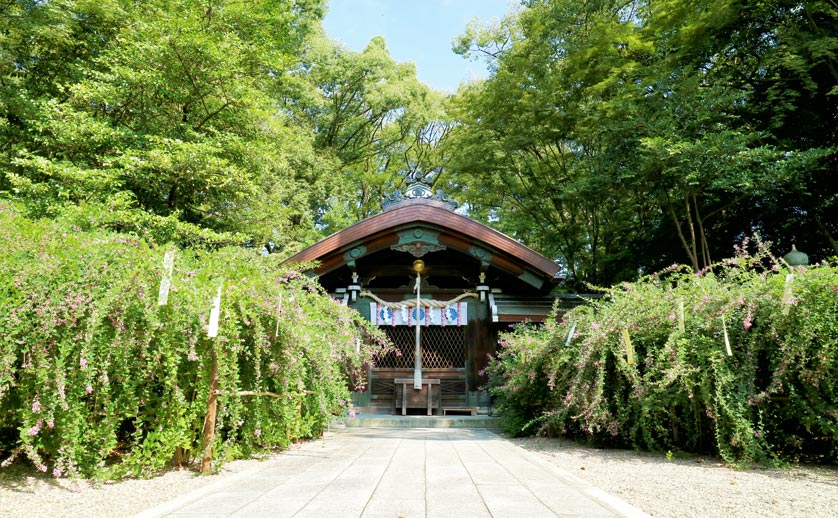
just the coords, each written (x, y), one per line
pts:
(400, 473)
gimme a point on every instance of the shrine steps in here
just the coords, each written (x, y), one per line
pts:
(419, 421)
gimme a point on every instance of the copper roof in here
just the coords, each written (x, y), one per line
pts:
(425, 212)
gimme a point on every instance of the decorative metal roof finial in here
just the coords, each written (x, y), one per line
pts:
(796, 257)
(417, 187)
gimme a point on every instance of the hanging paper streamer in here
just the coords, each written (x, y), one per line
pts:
(727, 340)
(570, 335)
(166, 281)
(681, 326)
(215, 313)
(629, 347)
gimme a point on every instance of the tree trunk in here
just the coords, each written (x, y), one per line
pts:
(681, 236)
(705, 249)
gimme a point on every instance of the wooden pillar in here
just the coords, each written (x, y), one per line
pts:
(483, 347)
(479, 347)
(209, 419)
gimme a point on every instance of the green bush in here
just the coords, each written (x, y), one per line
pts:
(740, 360)
(98, 380)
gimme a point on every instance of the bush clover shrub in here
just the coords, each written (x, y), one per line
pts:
(98, 380)
(740, 360)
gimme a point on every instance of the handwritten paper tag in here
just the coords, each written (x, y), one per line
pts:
(629, 347)
(215, 313)
(166, 281)
(727, 340)
(570, 335)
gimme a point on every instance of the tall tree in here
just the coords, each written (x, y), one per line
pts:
(171, 117)
(627, 130)
(373, 115)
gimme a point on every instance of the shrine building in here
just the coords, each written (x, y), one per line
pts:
(474, 282)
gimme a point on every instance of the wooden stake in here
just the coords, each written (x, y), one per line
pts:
(209, 420)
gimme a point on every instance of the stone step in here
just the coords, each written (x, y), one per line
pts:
(420, 421)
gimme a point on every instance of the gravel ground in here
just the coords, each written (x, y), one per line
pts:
(683, 486)
(25, 492)
(695, 486)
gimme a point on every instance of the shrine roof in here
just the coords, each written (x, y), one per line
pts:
(457, 231)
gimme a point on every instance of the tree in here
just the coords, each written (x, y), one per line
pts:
(374, 116)
(625, 130)
(165, 119)
(552, 72)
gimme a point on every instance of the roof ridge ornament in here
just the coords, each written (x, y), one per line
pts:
(418, 189)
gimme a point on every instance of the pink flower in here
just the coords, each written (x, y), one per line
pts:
(35, 429)
(258, 432)
(352, 413)
(88, 389)
(83, 363)
(36, 406)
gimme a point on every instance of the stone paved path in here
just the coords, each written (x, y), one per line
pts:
(379, 472)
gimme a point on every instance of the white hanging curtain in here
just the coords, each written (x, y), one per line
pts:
(454, 314)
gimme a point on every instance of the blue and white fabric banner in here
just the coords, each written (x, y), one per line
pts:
(451, 315)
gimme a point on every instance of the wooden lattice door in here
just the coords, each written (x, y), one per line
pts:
(442, 347)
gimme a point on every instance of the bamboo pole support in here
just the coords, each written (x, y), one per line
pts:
(209, 420)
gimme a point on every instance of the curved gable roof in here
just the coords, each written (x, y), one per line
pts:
(456, 231)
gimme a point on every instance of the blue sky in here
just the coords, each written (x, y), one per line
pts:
(415, 30)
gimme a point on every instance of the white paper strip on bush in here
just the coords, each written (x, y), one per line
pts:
(166, 281)
(681, 323)
(570, 335)
(629, 347)
(215, 313)
(727, 340)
